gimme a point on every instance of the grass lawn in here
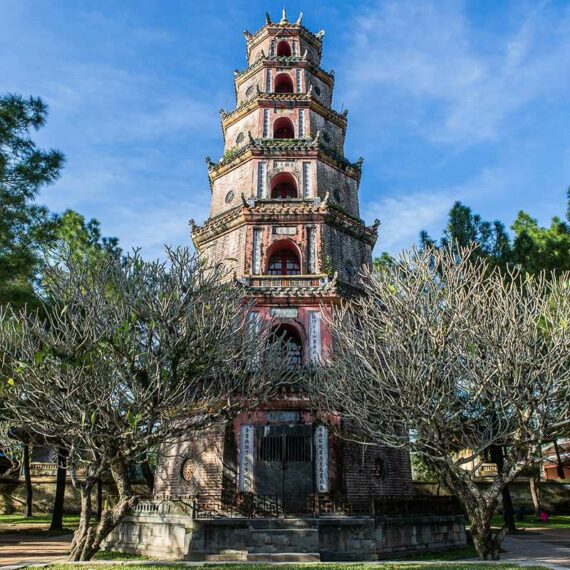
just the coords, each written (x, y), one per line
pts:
(329, 566)
(457, 554)
(69, 521)
(555, 521)
(102, 555)
(36, 526)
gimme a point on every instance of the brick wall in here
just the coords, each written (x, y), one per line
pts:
(205, 450)
(363, 478)
(345, 253)
(331, 179)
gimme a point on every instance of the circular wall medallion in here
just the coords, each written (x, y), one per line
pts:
(317, 90)
(337, 195)
(240, 138)
(187, 469)
(326, 137)
(230, 197)
(249, 91)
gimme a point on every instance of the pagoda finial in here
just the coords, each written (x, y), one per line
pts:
(283, 17)
(320, 34)
(247, 35)
(267, 18)
(360, 162)
(299, 19)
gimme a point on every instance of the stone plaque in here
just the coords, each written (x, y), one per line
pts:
(322, 459)
(315, 337)
(285, 230)
(246, 459)
(286, 417)
(284, 312)
(285, 164)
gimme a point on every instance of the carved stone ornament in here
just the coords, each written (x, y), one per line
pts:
(187, 470)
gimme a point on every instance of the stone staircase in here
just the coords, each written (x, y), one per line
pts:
(257, 540)
(283, 540)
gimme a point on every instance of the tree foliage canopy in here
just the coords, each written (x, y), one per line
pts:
(444, 353)
(531, 247)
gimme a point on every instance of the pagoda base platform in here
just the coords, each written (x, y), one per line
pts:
(157, 530)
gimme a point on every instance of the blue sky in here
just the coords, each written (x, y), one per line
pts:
(448, 101)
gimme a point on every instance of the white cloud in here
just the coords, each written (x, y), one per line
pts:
(153, 228)
(404, 215)
(429, 51)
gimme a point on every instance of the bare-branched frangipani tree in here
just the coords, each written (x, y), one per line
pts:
(444, 354)
(130, 355)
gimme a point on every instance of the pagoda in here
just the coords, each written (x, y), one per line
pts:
(279, 482)
(285, 222)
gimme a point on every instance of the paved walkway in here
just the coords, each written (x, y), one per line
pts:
(549, 547)
(545, 546)
(26, 548)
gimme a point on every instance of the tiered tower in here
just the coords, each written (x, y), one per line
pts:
(285, 220)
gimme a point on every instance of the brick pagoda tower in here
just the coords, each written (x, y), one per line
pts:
(285, 220)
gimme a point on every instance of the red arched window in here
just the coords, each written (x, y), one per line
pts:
(290, 342)
(283, 129)
(283, 83)
(284, 49)
(284, 262)
(283, 186)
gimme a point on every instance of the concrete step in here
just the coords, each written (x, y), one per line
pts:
(284, 540)
(282, 523)
(223, 555)
(284, 557)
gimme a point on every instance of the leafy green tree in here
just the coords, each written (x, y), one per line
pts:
(82, 239)
(24, 170)
(465, 228)
(531, 247)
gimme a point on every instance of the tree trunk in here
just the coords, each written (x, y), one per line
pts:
(80, 536)
(58, 504)
(27, 480)
(487, 544)
(148, 474)
(89, 541)
(535, 490)
(498, 457)
(559, 466)
(99, 498)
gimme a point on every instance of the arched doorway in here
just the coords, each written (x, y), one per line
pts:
(290, 342)
(283, 259)
(284, 449)
(283, 83)
(283, 186)
(283, 49)
(283, 129)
